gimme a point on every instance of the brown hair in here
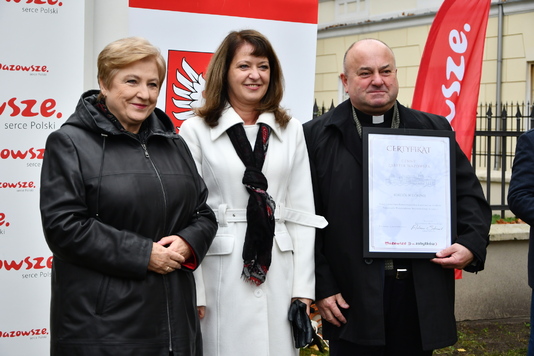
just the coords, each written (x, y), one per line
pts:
(123, 52)
(216, 89)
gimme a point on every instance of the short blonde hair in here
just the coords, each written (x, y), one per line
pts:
(123, 52)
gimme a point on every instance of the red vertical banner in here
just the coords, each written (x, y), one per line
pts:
(448, 82)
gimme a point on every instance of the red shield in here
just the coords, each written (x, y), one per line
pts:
(185, 83)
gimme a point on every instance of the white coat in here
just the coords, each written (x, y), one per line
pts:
(242, 318)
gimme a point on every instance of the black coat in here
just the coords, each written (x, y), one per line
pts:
(521, 191)
(335, 151)
(106, 196)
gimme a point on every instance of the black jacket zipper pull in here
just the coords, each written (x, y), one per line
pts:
(146, 151)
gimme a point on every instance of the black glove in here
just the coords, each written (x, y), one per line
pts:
(301, 324)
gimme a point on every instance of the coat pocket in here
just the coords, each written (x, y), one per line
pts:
(222, 244)
(283, 240)
(102, 296)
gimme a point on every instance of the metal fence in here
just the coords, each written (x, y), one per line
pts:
(494, 144)
(318, 111)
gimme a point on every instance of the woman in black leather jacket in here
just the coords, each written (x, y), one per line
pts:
(124, 213)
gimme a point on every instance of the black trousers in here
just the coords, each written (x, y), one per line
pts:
(403, 333)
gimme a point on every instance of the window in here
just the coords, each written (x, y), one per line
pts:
(352, 9)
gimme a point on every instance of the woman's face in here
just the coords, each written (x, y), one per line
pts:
(133, 93)
(248, 78)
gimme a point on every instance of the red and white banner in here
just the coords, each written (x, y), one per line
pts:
(41, 72)
(448, 81)
(188, 32)
(304, 11)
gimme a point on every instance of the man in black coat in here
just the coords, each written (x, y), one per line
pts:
(381, 306)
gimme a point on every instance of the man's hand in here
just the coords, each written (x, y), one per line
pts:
(455, 256)
(329, 309)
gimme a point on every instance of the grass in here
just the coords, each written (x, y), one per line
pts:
(496, 219)
(490, 338)
(312, 351)
(479, 338)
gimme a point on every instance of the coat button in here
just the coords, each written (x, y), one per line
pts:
(258, 293)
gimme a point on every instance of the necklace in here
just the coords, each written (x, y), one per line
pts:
(395, 121)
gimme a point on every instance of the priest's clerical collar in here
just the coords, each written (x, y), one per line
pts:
(369, 120)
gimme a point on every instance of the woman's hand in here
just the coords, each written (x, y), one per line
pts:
(201, 311)
(306, 301)
(164, 260)
(177, 244)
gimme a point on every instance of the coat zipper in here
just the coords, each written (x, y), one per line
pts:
(165, 283)
(143, 145)
(146, 152)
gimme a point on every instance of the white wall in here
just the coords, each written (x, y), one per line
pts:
(105, 21)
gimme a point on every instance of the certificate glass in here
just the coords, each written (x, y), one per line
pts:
(409, 192)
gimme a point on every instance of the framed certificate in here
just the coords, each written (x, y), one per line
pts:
(409, 192)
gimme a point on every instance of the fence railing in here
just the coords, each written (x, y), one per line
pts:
(320, 110)
(494, 144)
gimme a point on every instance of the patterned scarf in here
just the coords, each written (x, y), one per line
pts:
(260, 209)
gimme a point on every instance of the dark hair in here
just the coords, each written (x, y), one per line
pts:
(216, 89)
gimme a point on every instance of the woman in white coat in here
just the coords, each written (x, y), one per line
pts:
(252, 156)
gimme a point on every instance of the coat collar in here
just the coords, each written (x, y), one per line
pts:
(230, 118)
(341, 119)
(89, 117)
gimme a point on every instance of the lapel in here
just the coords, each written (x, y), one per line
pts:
(230, 118)
(342, 120)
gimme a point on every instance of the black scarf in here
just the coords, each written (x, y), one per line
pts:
(260, 209)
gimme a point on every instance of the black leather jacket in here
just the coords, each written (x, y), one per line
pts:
(106, 196)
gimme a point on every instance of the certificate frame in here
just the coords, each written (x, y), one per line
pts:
(409, 181)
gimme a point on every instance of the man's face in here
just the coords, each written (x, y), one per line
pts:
(370, 77)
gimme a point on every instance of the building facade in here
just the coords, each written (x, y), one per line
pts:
(507, 77)
(507, 70)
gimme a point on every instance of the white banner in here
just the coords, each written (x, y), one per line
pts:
(188, 33)
(41, 72)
